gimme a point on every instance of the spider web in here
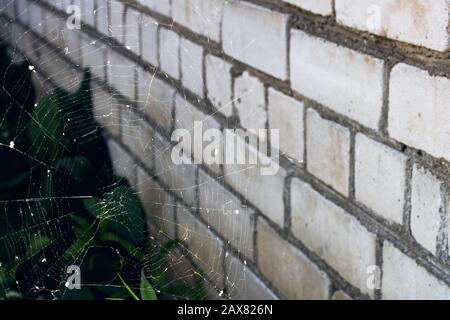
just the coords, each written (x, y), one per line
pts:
(37, 229)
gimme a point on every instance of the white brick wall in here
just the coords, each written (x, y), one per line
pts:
(155, 98)
(192, 66)
(169, 52)
(418, 110)
(93, 54)
(341, 79)
(161, 6)
(426, 208)
(286, 115)
(159, 206)
(218, 84)
(203, 245)
(180, 179)
(278, 258)
(323, 7)
(36, 18)
(132, 30)
(203, 17)
(328, 156)
(116, 20)
(70, 39)
(380, 178)
(256, 36)
(137, 135)
(88, 11)
(121, 73)
(102, 17)
(250, 102)
(106, 110)
(185, 116)
(264, 191)
(242, 283)
(226, 214)
(421, 22)
(149, 39)
(404, 279)
(332, 233)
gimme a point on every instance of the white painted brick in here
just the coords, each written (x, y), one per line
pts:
(403, 279)
(242, 283)
(426, 208)
(94, 56)
(159, 205)
(421, 22)
(418, 110)
(70, 44)
(192, 66)
(122, 162)
(263, 191)
(256, 36)
(203, 17)
(137, 135)
(132, 22)
(250, 102)
(149, 39)
(185, 116)
(181, 179)
(106, 110)
(226, 214)
(155, 98)
(116, 20)
(380, 177)
(286, 115)
(277, 258)
(61, 4)
(218, 84)
(59, 70)
(169, 49)
(25, 41)
(7, 7)
(323, 7)
(346, 81)
(161, 6)
(22, 12)
(87, 12)
(36, 18)
(332, 233)
(203, 245)
(54, 25)
(121, 72)
(328, 151)
(103, 17)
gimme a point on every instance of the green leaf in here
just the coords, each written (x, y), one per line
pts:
(147, 291)
(84, 233)
(78, 167)
(95, 206)
(44, 130)
(36, 245)
(124, 210)
(127, 245)
(132, 294)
